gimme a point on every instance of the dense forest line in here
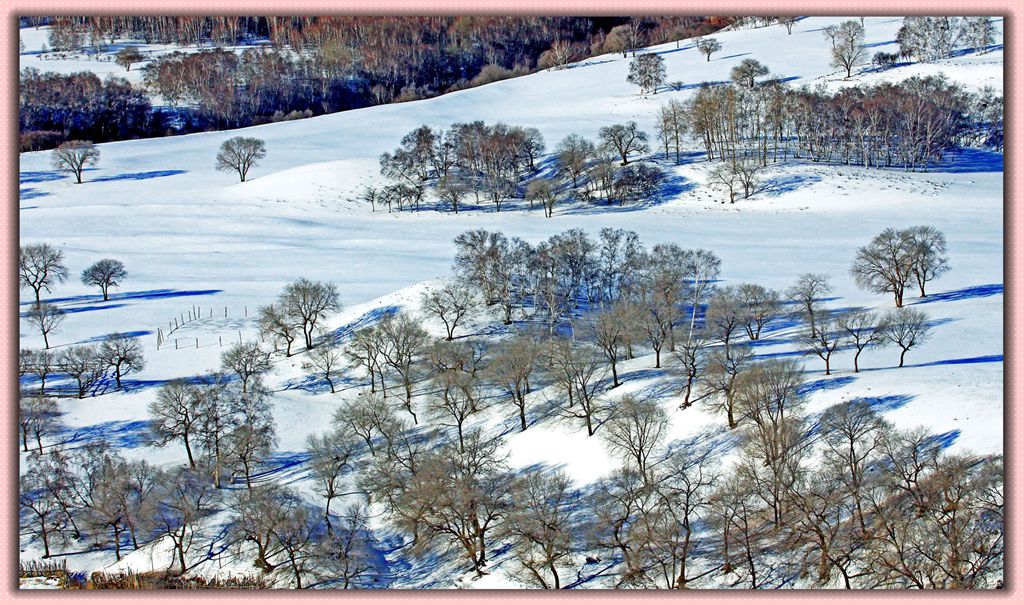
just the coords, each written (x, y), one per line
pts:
(302, 66)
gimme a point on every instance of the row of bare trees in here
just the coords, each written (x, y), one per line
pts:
(87, 365)
(910, 124)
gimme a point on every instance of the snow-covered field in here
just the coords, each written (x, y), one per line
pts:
(191, 236)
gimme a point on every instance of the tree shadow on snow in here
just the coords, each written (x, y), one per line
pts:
(124, 434)
(30, 193)
(138, 295)
(138, 176)
(969, 160)
(40, 176)
(776, 186)
(982, 291)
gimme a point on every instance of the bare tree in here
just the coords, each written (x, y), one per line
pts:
(542, 190)
(701, 269)
(462, 493)
(75, 157)
(746, 173)
(824, 340)
(558, 56)
(788, 22)
(40, 267)
(672, 127)
(692, 358)
(906, 328)
(295, 534)
(573, 153)
(619, 507)
(708, 47)
(257, 513)
(452, 189)
(724, 316)
(83, 364)
(309, 302)
(852, 433)
(806, 292)
(123, 353)
(457, 398)
(405, 341)
(760, 306)
(175, 415)
(929, 249)
(511, 367)
(684, 488)
(276, 323)
(540, 522)
(47, 319)
(450, 303)
(105, 274)
(325, 361)
(330, 455)
(886, 264)
(612, 329)
(37, 416)
(217, 407)
(862, 329)
(848, 46)
(365, 350)
(747, 72)
(40, 363)
(635, 429)
(254, 435)
(248, 361)
(723, 176)
(126, 57)
(647, 71)
(724, 368)
(41, 510)
(624, 139)
(346, 556)
(364, 417)
(186, 500)
(578, 370)
(240, 154)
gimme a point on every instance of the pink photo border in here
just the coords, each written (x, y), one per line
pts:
(1013, 221)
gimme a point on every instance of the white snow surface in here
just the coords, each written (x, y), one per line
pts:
(193, 237)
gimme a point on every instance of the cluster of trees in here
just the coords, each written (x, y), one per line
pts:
(41, 267)
(859, 503)
(896, 258)
(92, 493)
(87, 366)
(474, 158)
(854, 502)
(494, 163)
(910, 124)
(934, 38)
(319, 64)
(54, 108)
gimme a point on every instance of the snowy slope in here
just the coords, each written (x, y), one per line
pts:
(191, 236)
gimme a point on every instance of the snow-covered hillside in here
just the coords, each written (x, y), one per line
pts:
(194, 238)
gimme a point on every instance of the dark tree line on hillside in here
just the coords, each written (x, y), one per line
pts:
(53, 108)
(314, 65)
(909, 124)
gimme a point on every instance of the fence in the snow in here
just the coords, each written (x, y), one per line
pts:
(169, 338)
